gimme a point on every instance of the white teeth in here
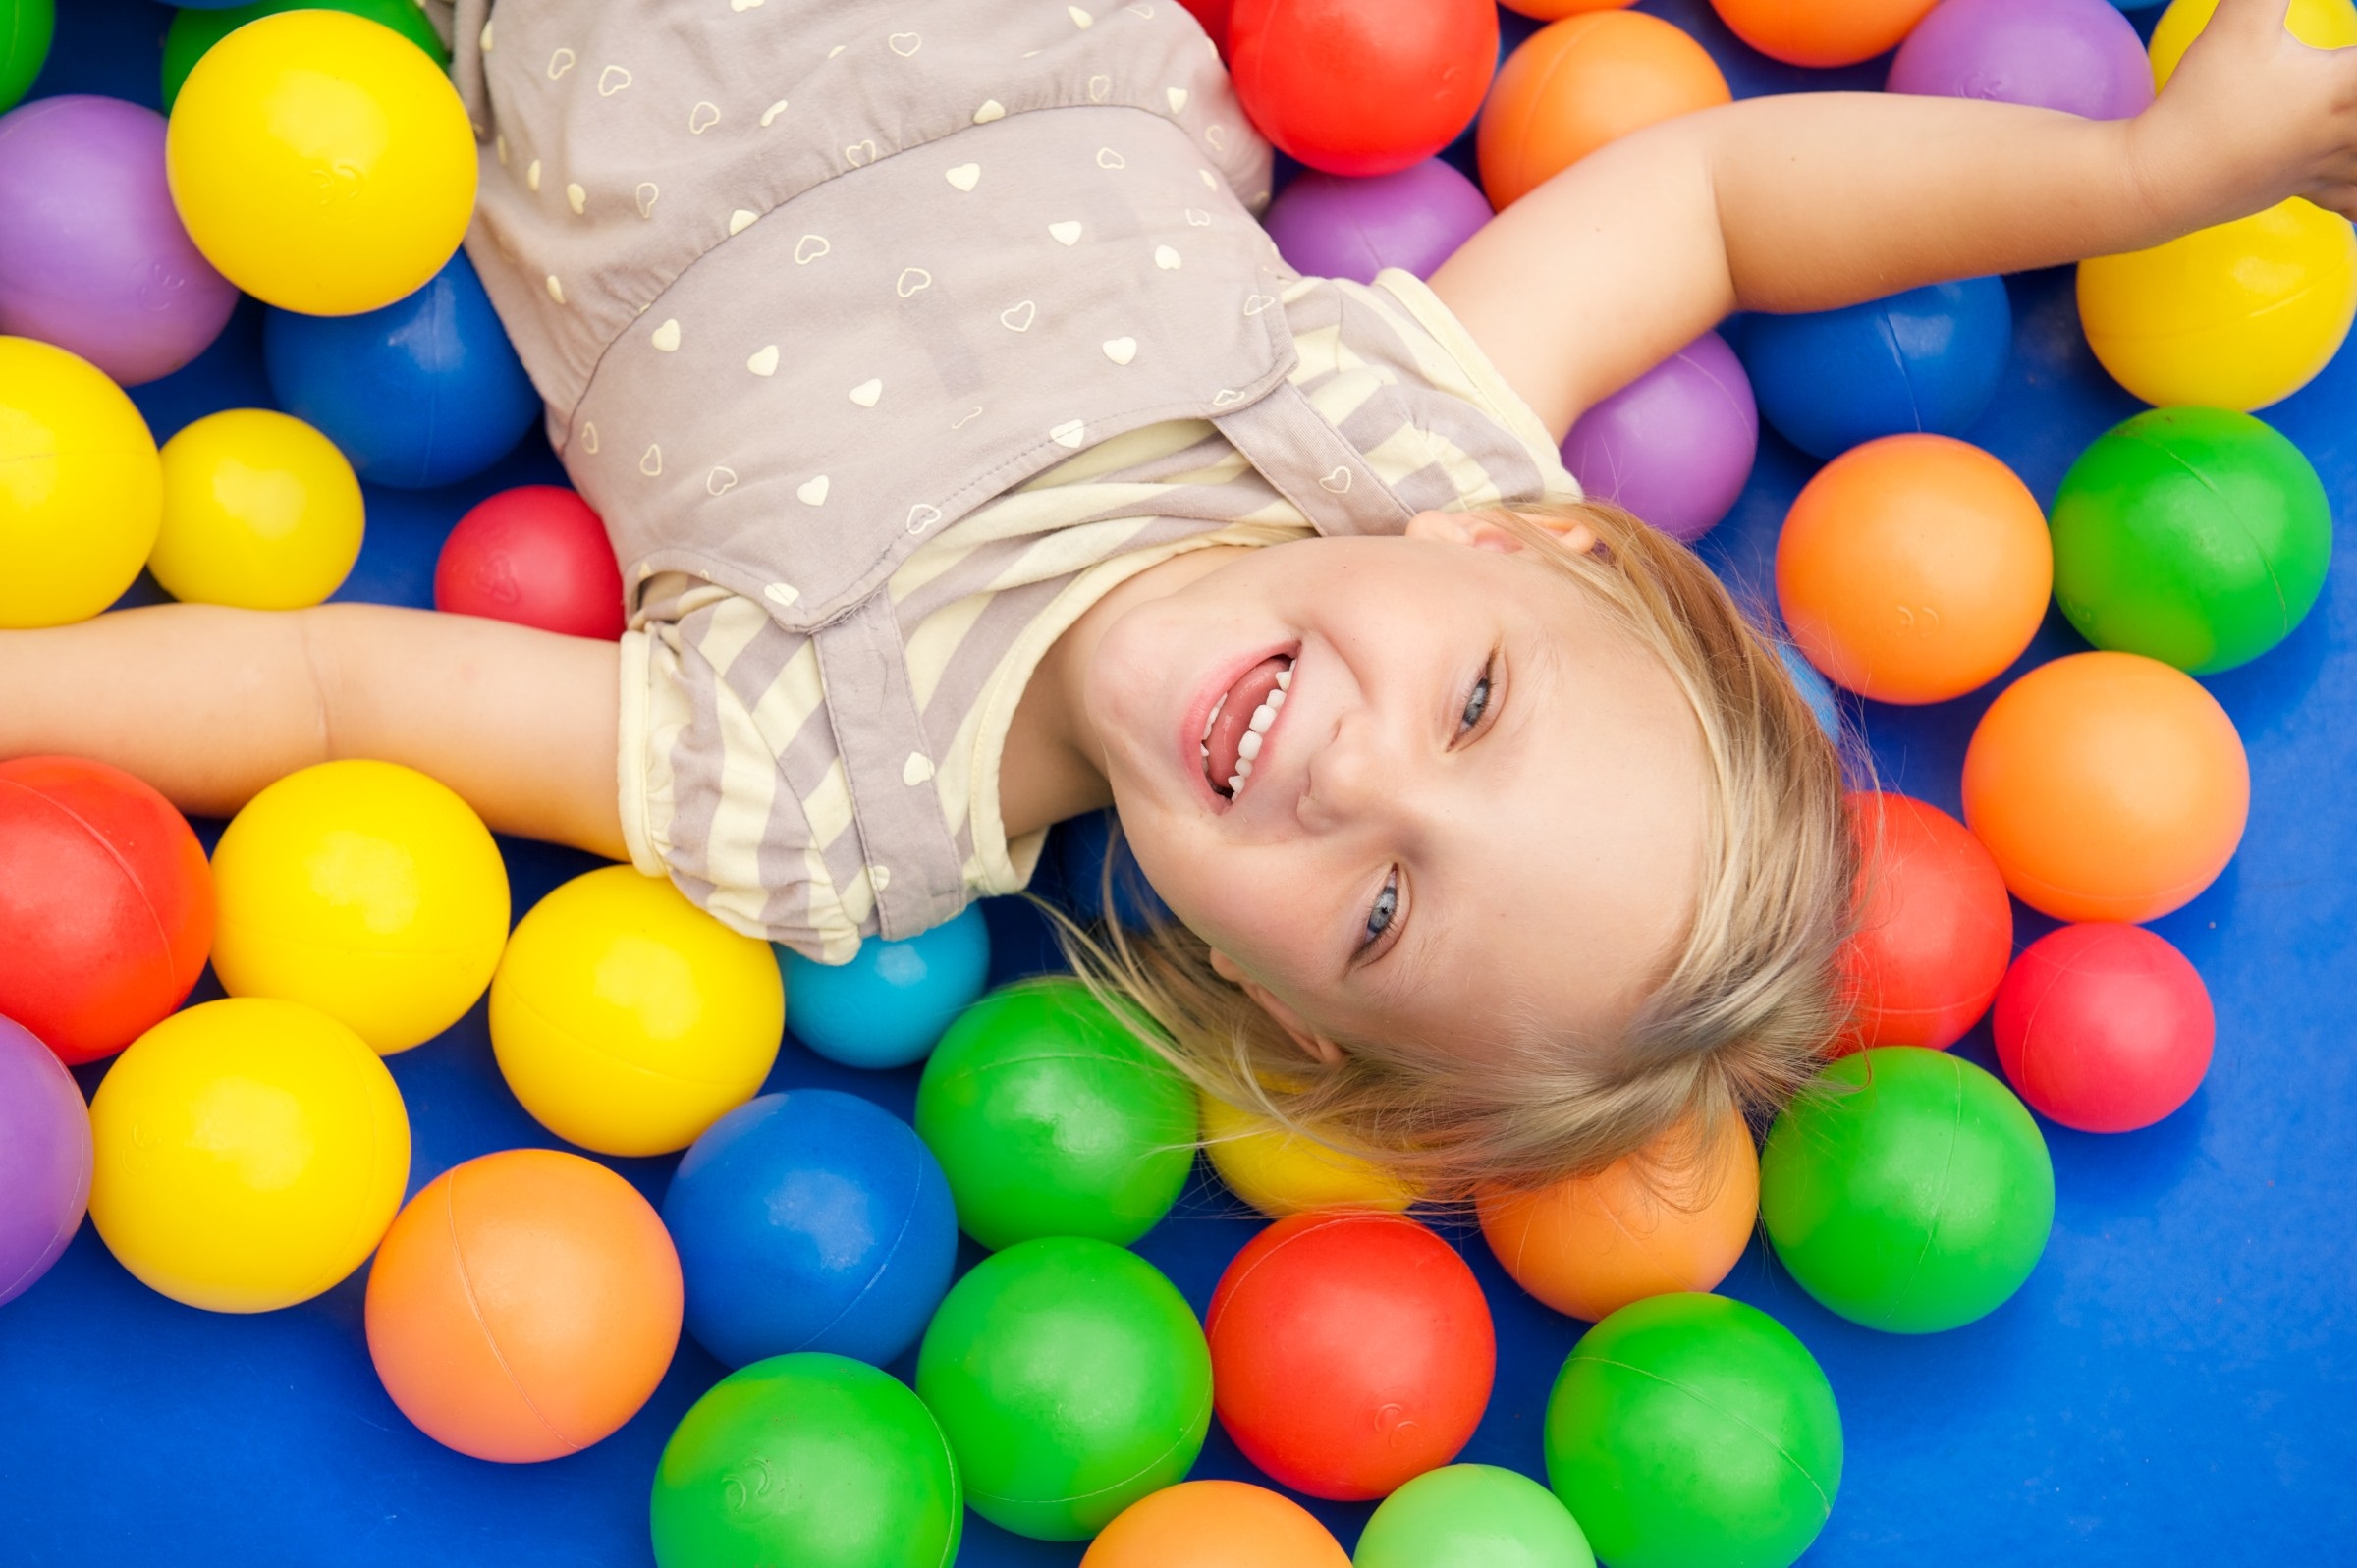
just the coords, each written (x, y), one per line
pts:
(1284, 679)
(1243, 767)
(1249, 746)
(1276, 700)
(1262, 716)
(1236, 783)
(1215, 715)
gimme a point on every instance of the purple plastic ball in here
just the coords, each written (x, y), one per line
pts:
(92, 254)
(45, 1158)
(1329, 226)
(2079, 56)
(1676, 444)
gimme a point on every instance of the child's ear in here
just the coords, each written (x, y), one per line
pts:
(1315, 1045)
(1482, 531)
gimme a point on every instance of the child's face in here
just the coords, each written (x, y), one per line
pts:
(1414, 853)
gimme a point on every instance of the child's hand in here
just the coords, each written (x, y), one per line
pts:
(2251, 116)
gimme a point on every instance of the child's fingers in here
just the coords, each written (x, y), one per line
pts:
(2251, 19)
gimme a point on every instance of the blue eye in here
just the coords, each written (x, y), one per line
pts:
(1379, 917)
(1479, 702)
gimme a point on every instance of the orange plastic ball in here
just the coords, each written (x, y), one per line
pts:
(1647, 1225)
(1557, 10)
(1822, 33)
(1215, 1524)
(1584, 82)
(1914, 569)
(2107, 787)
(524, 1306)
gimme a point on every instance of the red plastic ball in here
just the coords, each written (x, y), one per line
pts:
(537, 555)
(1212, 14)
(1935, 927)
(1362, 87)
(1351, 1352)
(2105, 1028)
(106, 905)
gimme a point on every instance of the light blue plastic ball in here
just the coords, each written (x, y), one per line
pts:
(888, 1005)
(1813, 690)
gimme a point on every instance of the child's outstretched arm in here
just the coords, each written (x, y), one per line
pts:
(211, 705)
(1814, 201)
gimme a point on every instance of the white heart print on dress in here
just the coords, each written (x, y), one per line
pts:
(812, 493)
(913, 281)
(764, 361)
(666, 337)
(1071, 433)
(1167, 259)
(905, 44)
(964, 177)
(1067, 233)
(1121, 351)
(868, 392)
(1018, 318)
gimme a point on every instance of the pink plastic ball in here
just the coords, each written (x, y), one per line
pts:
(537, 555)
(1676, 444)
(92, 254)
(2103, 1027)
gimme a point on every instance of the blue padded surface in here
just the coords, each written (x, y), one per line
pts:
(2172, 1387)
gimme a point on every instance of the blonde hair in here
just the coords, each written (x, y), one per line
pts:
(1739, 1019)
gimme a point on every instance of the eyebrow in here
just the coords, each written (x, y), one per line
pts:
(1535, 664)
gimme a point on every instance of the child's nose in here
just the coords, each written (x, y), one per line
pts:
(1355, 779)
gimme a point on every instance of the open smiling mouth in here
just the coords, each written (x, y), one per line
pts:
(1239, 723)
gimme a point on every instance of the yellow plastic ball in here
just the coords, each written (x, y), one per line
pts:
(251, 1154)
(322, 162)
(2237, 316)
(80, 490)
(628, 1020)
(1281, 1173)
(368, 891)
(260, 510)
(2322, 24)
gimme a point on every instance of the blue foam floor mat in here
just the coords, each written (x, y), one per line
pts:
(2174, 1385)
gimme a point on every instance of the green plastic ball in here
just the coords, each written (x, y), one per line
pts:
(1072, 1379)
(1694, 1431)
(194, 31)
(808, 1459)
(1050, 1118)
(1908, 1190)
(2196, 536)
(1472, 1516)
(25, 26)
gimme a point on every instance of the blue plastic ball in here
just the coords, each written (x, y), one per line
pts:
(888, 1005)
(1928, 359)
(811, 1220)
(425, 392)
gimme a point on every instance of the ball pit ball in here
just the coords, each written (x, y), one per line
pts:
(1913, 569)
(25, 26)
(1670, 1218)
(1813, 690)
(1821, 33)
(106, 912)
(1557, 10)
(1583, 81)
(524, 1306)
(1473, 1516)
(424, 391)
(2319, 24)
(1694, 1431)
(308, 100)
(194, 31)
(859, 1474)
(2236, 317)
(627, 1020)
(1935, 926)
(1362, 87)
(1280, 1172)
(895, 1000)
(1674, 446)
(2106, 787)
(1213, 16)
(1349, 1352)
(92, 256)
(1052, 1118)
(86, 491)
(1215, 1524)
(1928, 359)
(250, 1155)
(1909, 1191)
(366, 889)
(810, 1220)
(535, 556)
(44, 1160)
(1072, 1379)
(260, 510)
(2196, 536)
(1329, 226)
(2104, 1027)
(2079, 56)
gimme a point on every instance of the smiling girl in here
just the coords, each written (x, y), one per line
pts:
(974, 463)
